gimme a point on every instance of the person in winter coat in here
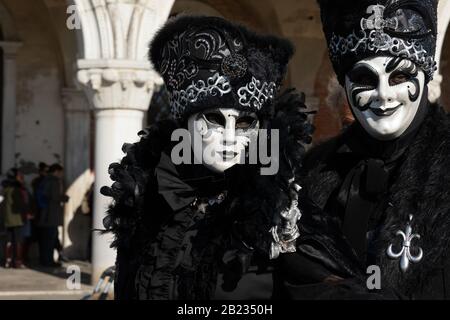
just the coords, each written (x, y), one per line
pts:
(200, 228)
(16, 209)
(52, 213)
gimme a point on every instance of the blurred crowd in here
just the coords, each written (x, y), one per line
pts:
(29, 216)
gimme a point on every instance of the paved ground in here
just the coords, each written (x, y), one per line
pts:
(36, 283)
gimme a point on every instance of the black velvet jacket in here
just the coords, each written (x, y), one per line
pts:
(188, 235)
(185, 245)
(418, 187)
(174, 240)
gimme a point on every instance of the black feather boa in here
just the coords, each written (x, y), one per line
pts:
(149, 244)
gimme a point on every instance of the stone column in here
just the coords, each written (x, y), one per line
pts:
(118, 80)
(78, 175)
(121, 93)
(8, 134)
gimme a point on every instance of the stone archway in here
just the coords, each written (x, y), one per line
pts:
(194, 7)
(249, 12)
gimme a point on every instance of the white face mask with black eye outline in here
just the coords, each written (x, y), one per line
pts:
(385, 94)
(225, 133)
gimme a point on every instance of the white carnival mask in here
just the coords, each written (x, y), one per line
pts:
(224, 135)
(385, 94)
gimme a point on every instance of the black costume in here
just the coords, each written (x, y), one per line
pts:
(359, 192)
(182, 231)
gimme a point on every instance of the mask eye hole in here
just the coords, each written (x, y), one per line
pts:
(214, 118)
(399, 78)
(245, 122)
(362, 75)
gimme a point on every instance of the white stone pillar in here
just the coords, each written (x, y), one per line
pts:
(121, 92)
(8, 134)
(113, 128)
(118, 80)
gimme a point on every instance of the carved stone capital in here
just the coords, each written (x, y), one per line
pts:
(118, 84)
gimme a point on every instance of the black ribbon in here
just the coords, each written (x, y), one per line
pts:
(181, 185)
(360, 189)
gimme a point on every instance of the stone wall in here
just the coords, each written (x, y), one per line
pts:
(39, 114)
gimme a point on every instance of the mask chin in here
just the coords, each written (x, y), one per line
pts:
(385, 94)
(219, 142)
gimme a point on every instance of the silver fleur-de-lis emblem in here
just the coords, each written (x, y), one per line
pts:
(405, 255)
(377, 21)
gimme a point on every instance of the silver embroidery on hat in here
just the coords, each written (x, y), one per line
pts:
(253, 95)
(256, 93)
(215, 85)
(372, 37)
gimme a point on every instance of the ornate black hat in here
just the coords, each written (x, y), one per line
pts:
(208, 62)
(359, 29)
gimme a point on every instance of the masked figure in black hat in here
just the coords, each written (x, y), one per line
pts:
(196, 224)
(379, 191)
